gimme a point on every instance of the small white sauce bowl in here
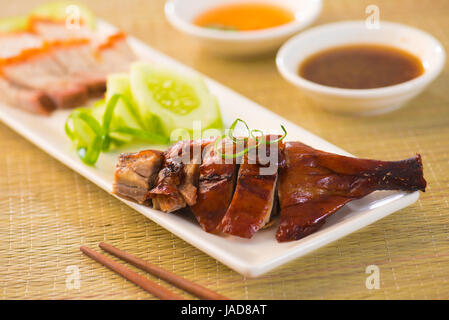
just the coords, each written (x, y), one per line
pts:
(361, 101)
(181, 14)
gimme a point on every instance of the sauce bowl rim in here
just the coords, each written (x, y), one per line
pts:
(429, 74)
(255, 35)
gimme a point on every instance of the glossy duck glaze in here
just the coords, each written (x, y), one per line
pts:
(315, 184)
(215, 190)
(254, 195)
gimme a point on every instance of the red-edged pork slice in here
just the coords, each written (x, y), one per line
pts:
(79, 62)
(110, 51)
(102, 55)
(34, 101)
(12, 44)
(315, 184)
(114, 53)
(65, 65)
(54, 30)
(91, 62)
(36, 68)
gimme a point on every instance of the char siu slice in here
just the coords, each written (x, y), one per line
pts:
(215, 189)
(80, 63)
(254, 195)
(114, 53)
(110, 52)
(34, 101)
(136, 173)
(92, 61)
(315, 184)
(42, 72)
(56, 30)
(31, 78)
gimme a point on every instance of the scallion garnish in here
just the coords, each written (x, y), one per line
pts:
(91, 137)
(260, 139)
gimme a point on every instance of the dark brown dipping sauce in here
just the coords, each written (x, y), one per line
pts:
(361, 67)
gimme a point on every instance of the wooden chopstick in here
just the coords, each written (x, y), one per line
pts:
(168, 276)
(132, 276)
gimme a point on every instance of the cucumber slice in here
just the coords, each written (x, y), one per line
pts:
(98, 110)
(177, 100)
(119, 83)
(128, 114)
(60, 10)
(13, 24)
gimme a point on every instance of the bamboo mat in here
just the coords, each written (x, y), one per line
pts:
(47, 211)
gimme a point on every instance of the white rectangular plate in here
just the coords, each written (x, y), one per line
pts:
(250, 257)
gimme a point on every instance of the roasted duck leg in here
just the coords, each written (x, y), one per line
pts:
(315, 184)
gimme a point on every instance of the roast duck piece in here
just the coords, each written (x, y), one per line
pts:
(243, 194)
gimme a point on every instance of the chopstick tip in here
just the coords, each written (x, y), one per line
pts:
(85, 249)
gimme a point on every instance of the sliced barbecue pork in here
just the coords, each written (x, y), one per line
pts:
(215, 189)
(52, 65)
(34, 101)
(37, 69)
(26, 62)
(110, 52)
(80, 63)
(254, 195)
(115, 54)
(315, 184)
(136, 174)
(92, 61)
(56, 30)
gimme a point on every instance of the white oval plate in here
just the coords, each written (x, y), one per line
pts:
(252, 257)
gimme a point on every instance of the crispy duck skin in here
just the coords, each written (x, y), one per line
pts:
(215, 190)
(253, 199)
(315, 184)
(136, 173)
(176, 184)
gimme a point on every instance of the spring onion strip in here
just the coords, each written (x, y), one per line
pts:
(143, 135)
(260, 139)
(102, 140)
(110, 107)
(232, 128)
(90, 154)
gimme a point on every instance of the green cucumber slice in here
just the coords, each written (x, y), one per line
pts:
(177, 100)
(130, 116)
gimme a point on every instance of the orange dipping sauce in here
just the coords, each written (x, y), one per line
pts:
(244, 17)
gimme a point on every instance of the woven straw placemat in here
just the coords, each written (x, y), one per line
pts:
(47, 211)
